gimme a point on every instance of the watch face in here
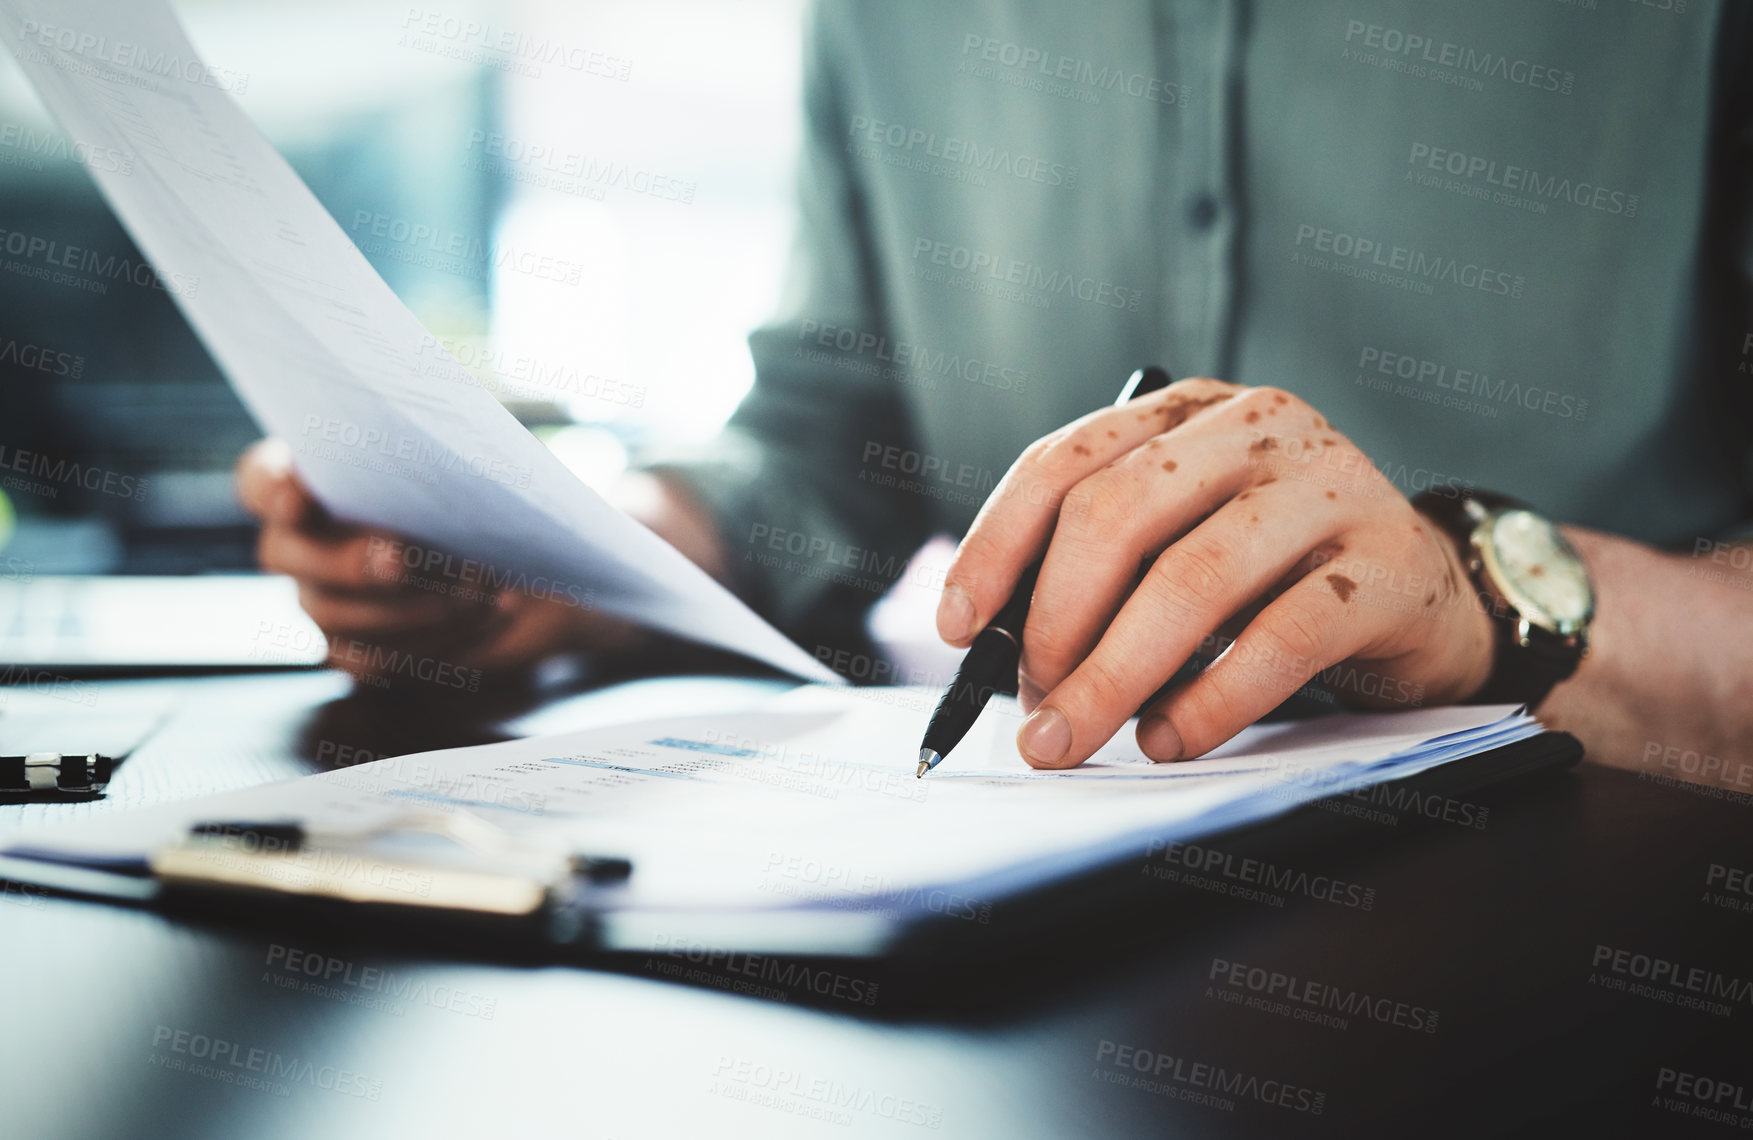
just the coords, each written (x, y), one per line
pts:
(1539, 572)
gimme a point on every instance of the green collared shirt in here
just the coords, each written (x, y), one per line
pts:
(1478, 236)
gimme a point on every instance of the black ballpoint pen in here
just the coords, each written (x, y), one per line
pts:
(991, 664)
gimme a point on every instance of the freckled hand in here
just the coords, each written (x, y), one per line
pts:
(991, 664)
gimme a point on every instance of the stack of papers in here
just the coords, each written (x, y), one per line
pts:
(809, 804)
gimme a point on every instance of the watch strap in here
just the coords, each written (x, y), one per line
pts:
(1527, 664)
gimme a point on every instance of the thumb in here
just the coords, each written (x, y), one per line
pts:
(268, 487)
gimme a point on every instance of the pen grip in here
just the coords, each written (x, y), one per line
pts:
(988, 669)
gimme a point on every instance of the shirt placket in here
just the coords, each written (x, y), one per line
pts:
(1198, 47)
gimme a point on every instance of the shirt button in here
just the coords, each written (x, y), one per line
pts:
(1202, 212)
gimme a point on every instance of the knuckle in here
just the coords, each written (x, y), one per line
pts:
(1051, 651)
(1100, 685)
(978, 552)
(1203, 385)
(1398, 548)
(977, 546)
(1036, 453)
(1290, 642)
(1058, 462)
(1274, 396)
(1023, 487)
(1106, 500)
(1196, 570)
(1206, 711)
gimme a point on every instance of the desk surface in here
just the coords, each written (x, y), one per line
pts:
(1499, 982)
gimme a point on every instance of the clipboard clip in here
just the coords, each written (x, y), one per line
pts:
(438, 861)
(48, 773)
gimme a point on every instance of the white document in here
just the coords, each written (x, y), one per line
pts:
(389, 430)
(810, 801)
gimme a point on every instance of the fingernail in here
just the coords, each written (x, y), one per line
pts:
(1158, 738)
(1045, 737)
(955, 614)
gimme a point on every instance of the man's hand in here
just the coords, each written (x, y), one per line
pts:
(1167, 517)
(359, 587)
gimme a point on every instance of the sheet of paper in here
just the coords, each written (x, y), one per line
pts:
(388, 429)
(810, 800)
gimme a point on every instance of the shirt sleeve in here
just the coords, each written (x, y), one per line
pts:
(811, 544)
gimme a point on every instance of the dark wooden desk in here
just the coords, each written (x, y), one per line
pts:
(1523, 938)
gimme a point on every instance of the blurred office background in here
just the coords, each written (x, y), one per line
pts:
(650, 141)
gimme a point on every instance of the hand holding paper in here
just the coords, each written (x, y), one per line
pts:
(387, 429)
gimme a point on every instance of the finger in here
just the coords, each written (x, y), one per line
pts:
(1222, 564)
(294, 505)
(279, 496)
(367, 562)
(261, 472)
(418, 620)
(534, 628)
(1110, 526)
(1314, 626)
(1014, 523)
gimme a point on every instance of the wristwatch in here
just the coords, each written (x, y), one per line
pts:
(1532, 583)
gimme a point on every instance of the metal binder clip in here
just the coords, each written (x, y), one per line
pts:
(476, 867)
(46, 772)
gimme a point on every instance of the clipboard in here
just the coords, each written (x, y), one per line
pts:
(561, 909)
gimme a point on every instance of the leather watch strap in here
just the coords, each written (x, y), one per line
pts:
(1525, 673)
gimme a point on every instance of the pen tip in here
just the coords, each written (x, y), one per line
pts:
(928, 759)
